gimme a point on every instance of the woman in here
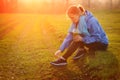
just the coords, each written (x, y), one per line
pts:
(85, 31)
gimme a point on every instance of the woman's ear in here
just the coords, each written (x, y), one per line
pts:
(80, 13)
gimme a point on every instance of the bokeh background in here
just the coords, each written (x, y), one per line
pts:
(53, 6)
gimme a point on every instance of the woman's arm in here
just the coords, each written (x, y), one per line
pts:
(66, 42)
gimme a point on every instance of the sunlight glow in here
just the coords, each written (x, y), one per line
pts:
(40, 6)
(27, 1)
(32, 1)
(29, 5)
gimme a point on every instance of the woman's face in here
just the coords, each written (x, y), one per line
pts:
(74, 17)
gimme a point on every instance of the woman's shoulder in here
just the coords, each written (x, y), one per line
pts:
(90, 18)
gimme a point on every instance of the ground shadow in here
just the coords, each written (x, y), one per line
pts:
(103, 66)
(63, 73)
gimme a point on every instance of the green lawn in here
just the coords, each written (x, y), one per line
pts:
(28, 43)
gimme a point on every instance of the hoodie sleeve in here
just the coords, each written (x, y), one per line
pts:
(66, 42)
(94, 31)
(68, 38)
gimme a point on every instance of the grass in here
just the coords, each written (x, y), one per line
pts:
(28, 43)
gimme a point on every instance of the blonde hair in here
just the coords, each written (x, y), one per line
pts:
(81, 8)
(76, 9)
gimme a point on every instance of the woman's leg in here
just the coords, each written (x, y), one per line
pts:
(72, 48)
(96, 46)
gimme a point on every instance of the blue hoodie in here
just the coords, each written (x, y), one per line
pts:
(95, 30)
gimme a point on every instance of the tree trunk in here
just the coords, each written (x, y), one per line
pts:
(89, 6)
(111, 5)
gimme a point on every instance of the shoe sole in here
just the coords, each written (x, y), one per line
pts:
(75, 58)
(61, 64)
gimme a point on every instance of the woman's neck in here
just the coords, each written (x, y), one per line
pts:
(76, 24)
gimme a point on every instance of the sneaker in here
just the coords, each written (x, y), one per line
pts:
(59, 62)
(79, 54)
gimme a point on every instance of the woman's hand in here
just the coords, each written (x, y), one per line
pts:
(57, 53)
(77, 38)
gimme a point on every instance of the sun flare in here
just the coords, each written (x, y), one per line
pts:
(31, 1)
(26, 1)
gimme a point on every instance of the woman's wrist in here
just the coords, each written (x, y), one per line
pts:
(59, 50)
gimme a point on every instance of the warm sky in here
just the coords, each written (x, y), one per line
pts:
(45, 5)
(35, 1)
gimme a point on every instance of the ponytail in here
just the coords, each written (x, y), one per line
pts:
(82, 9)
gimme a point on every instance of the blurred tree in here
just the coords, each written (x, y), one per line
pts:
(14, 5)
(53, 6)
(89, 4)
(1, 6)
(111, 4)
(67, 2)
(119, 4)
